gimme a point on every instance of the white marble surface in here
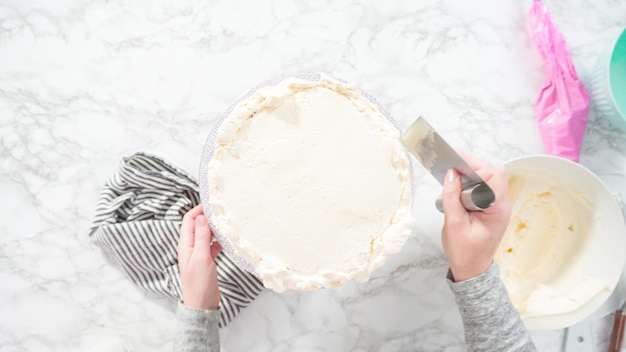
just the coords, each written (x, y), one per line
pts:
(83, 83)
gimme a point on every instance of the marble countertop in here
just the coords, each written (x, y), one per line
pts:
(83, 83)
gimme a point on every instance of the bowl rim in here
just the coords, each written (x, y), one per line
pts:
(613, 46)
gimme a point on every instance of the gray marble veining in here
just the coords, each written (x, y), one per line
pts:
(83, 83)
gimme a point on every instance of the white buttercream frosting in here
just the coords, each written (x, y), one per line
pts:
(310, 184)
(549, 224)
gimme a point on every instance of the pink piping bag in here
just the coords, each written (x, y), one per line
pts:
(562, 106)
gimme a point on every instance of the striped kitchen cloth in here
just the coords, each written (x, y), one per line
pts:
(137, 223)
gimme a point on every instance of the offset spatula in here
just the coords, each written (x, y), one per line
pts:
(437, 157)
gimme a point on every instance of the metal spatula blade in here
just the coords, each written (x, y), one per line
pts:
(436, 155)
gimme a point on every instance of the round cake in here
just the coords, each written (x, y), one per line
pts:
(310, 184)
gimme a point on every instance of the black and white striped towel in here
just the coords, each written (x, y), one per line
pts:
(137, 223)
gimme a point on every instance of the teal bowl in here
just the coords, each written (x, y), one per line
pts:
(608, 84)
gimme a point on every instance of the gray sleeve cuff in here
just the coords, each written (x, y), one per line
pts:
(477, 286)
(490, 321)
(196, 330)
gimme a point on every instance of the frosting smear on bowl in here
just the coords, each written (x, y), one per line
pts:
(310, 184)
(549, 224)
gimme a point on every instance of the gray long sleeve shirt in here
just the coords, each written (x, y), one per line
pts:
(196, 330)
(491, 322)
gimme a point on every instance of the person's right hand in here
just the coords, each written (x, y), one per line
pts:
(196, 261)
(470, 239)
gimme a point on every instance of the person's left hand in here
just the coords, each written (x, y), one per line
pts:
(196, 261)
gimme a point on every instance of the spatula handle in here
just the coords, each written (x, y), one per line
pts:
(617, 336)
(473, 197)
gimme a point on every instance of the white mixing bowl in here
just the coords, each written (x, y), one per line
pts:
(598, 255)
